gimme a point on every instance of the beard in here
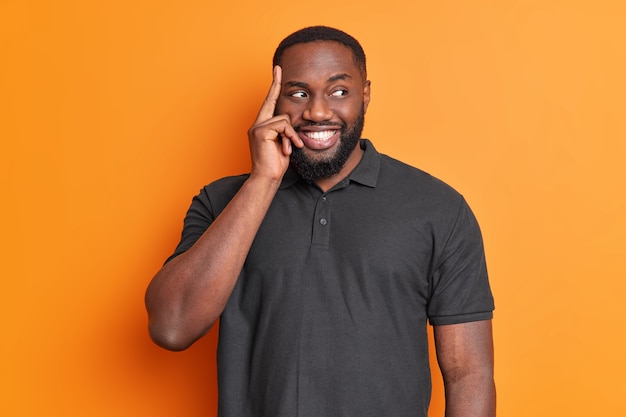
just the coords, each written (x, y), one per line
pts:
(312, 169)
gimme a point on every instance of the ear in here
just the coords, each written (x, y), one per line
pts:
(366, 95)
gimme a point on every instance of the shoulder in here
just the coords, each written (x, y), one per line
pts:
(416, 184)
(226, 184)
(216, 195)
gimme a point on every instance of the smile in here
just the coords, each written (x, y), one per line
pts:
(325, 134)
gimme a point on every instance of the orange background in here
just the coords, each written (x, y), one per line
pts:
(115, 113)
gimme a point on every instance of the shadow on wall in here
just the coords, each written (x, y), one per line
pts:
(131, 376)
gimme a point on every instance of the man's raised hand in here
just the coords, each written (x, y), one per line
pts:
(271, 137)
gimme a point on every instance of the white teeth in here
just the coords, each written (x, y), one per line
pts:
(320, 135)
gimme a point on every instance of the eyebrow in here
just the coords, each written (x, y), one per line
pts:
(339, 77)
(330, 80)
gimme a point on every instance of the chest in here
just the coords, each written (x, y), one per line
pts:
(362, 237)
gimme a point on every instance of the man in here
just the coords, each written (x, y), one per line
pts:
(326, 261)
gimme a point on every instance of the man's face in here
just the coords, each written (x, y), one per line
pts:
(325, 96)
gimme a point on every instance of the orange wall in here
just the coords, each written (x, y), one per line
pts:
(114, 114)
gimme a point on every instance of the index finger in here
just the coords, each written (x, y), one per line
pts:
(269, 105)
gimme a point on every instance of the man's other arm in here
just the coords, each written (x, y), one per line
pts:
(465, 356)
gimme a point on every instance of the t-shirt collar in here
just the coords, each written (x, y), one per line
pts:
(366, 172)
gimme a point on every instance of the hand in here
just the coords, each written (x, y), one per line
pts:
(271, 137)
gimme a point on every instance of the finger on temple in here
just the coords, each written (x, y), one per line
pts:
(269, 105)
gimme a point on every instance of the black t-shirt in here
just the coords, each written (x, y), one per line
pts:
(328, 317)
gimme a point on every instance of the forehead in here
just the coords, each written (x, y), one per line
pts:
(319, 58)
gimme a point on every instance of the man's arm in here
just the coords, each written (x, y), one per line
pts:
(465, 356)
(190, 292)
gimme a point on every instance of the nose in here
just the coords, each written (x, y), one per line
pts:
(317, 110)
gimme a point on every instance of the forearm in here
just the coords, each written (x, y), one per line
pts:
(473, 395)
(189, 293)
(465, 355)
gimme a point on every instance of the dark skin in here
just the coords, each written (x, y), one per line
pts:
(465, 356)
(323, 90)
(317, 89)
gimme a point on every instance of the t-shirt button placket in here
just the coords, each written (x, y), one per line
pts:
(321, 227)
(323, 220)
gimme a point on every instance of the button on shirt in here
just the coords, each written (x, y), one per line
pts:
(328, 317)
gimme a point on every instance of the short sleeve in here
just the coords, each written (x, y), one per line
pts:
(460, 290)
(204, 209)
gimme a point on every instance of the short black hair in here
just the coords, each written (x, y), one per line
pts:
(323, 33)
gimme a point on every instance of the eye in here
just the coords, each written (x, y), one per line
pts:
(339, 93)
(298, 94)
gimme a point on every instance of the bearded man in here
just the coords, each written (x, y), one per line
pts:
(327, 261)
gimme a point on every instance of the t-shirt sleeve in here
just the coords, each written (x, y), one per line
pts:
(204, 209)
(460, 290)
(197, 220)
